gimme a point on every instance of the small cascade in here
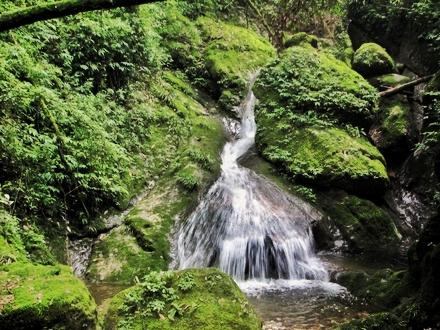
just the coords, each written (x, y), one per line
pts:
(247, 226)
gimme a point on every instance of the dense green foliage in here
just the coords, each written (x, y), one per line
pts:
(78, 149)
(190, 299)
(96, 107)
(406, 28)
(90, 135)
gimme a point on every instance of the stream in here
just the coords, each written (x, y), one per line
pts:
(261, 235)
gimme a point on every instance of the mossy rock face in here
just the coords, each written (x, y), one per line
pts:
(190, 299)
(117, 257)
(300, 38)
(391, 133)
(142, 243)
(44, 297)
(364, 227)
(305, 80)
(377, 321)
(372, 60)
(232, 53)
(324, 156)
(384, 289)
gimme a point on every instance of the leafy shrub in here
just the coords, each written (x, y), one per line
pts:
(188, 179)
(109, 49)
(204, 160)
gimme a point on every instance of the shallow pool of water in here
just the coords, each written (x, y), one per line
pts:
(292, 304)
(303, 304)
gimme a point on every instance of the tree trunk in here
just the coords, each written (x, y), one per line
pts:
(397, 89)
(29, 15)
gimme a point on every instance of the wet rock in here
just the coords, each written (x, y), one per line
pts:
(384, 289)
(117, 257)
(360, 225)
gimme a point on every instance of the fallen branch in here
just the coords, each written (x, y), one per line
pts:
(29, 15)
(397, 89)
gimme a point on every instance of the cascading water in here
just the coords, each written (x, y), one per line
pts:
(247, 226)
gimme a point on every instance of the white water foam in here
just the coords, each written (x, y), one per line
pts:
(247, 226)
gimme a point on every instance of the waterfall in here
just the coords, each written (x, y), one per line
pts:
(247, 226)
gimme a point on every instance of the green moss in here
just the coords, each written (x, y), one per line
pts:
(372, 60)
(300, 38)
(232, 53)
(305, 79)
(326, 156)
(189, 178)
(304, 96)
(365, 227)
(35, 296)
(117, 257)
(389, 80)
(191, 162)
(384, 289)
(393, 125)
(190, 299)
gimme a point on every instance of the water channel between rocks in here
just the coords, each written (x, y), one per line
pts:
(261, 236)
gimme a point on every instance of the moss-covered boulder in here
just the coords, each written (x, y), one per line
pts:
(191, 299)
(372, 60)
(300, 38)
(392, 131)
(44, 297)
(383, 289)
(363, 226)
(305, 80)
(232, 53)
(327, 156)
